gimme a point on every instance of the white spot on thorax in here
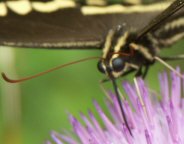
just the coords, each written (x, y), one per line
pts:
(171, 40)
(120, 43)
(107, 44)
(174, 24)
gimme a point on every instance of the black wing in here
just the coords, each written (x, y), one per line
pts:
(176, 9)
(68, 27)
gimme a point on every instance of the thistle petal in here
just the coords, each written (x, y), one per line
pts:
(152, 120)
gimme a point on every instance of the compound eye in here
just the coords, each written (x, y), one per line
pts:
(118, 64)
(101, 67)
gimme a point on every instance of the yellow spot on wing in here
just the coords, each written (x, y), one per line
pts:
(25, 6)
(22, 7)
(53, 5)
(3, 9)
(92, 10)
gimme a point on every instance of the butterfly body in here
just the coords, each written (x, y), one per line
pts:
(132, 53)
(122, 32)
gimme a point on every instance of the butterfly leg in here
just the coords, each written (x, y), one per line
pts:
(143, 51)
(145, 71)
(171, 58)
(139, 72)
(160, 60)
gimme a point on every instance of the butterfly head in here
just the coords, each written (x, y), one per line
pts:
(115, 65)
(115, 55)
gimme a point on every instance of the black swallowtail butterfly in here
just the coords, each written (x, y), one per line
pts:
(129, 36)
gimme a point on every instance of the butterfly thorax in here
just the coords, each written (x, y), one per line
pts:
(121, 51)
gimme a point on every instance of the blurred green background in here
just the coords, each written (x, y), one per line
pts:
(30, 110)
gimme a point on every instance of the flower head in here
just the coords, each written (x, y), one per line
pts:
(153, 118)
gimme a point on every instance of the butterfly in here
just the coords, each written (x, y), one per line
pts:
(129, 35)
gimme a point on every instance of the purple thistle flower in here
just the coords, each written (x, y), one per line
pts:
(151, 120)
